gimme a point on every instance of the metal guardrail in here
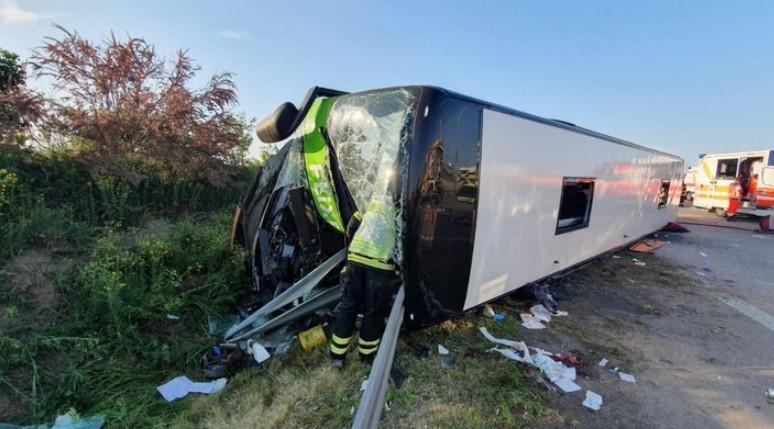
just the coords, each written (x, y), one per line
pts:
(299, 289)
(372, 402)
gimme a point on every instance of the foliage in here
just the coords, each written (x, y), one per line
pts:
(129, 108)
(19, 107)
(112, 338)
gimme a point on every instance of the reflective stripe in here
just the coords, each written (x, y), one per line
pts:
(365, 343)
(370, 262)
(317, 164)
(341, 341)
(338, 350)
(375, 238)
(358, 216)
(368, 351)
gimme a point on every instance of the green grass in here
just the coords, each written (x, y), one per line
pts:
(107, 342)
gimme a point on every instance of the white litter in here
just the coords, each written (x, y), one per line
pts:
(364, 385)
(560, 313)
(442, 350)
(518, 345)
(541, 313)
(561, 375)
(592, 401)
(639, 264)
(770, 393)
(616, 257)
(488, 311)
(258, 351)
(531, 322)
(181, 386)
(626, 377)
(704, 255)
(172, 317)
(603, 363)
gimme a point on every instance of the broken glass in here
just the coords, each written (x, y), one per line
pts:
(368, 132)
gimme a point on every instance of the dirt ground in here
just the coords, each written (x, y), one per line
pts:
(693, 326)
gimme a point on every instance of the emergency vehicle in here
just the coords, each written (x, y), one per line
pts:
(740, 182)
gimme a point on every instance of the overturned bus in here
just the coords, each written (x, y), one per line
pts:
(489, 199)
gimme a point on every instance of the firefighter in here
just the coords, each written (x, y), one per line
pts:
(368, 281)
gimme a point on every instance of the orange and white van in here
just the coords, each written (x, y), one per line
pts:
(717, 174)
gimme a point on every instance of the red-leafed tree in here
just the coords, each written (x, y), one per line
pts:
(129, 109)
(19, 107)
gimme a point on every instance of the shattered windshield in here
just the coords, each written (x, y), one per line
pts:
(367, 131)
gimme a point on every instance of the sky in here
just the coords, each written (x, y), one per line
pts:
(686, 77)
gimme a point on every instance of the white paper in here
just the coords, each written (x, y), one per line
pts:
(567, 386)
(258, 351)
(518, 345)
(442, 350)
(172, 317)
(181, 386)
(616, 257)
(703, 254)
(640, 264)
(626, 377)
(541, 313)
(593, 400)
(603, 363)
(511, 354)
(364, 385)
(530, 322)
(560, 313)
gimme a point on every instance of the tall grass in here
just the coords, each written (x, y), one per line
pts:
(112, 342)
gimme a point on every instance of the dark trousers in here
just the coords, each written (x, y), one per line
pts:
(366, 291)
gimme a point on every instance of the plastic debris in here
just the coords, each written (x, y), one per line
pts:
(364, 385)
(443, 351)
(593, 400)
(616, 257)
(518, 345)
(540, 313)
(702, 254)
(603, 363)
(312, 338)
(257, 351)
(567, 359)
(181, 386)
(626, 377)
(172, 317)
(487, 311)
(498, 317)
(65, 421)
(770, 395)
(646, 246)
(531, 322)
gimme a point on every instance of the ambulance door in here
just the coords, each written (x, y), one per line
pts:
(705, 176)
(725, 175)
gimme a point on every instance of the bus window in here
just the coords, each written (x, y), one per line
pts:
(727, 168)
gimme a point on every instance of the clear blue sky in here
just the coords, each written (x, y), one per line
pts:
(684, 77)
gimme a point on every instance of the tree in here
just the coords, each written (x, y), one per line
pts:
(19, 107)
(127, 108)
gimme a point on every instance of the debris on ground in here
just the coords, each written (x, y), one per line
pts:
(702, 254)
(561, 375)
(448, 362)
(257, 351)
(626, 377)
(638, 262)
(311, 338)
(674, 227)
(593, 400)
(498, 317)
(603, 362)
(65, 421)
(222, 361)
(540, 313)
(770, 395)
(567, 359)
(529, 321)
(172, 317)
(615, 370)
(646, 246)
(542, 296)
(487, 311)
(181, 386)
(443, 351)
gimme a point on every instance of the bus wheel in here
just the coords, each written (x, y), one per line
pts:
(721, 212)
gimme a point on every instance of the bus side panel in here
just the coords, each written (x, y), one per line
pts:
(523, 165)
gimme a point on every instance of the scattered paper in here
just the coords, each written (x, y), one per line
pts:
(639, 264)
(364, 385)
(704, 255)
(511, 354)
(443, 351)
(626, 377)
(541, 313)
(592, 401)
(173, 317)
(770, 394)
(531, 322)
(181, 386)
(258, 351)
(603, 363)
(518, 345)
(616, 257)
(560, 313)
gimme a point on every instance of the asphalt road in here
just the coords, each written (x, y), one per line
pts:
(695, 326)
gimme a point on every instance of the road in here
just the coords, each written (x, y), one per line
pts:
(695, 325)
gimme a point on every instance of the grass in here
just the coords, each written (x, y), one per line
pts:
(107, 341)
(300, 390)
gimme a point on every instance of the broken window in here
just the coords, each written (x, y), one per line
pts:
(727, 169)
(575, 204)
(368, 132)
(663, 194)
